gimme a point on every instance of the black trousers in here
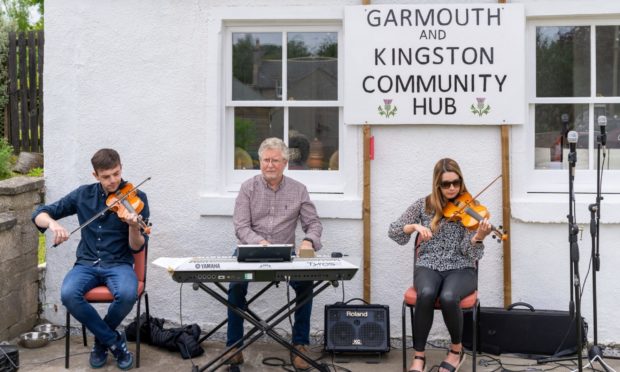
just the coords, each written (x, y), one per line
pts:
(450, 287)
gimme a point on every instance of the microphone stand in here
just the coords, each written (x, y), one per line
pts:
(573, 231)
(595, 217)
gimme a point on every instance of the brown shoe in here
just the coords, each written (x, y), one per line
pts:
(297, 361)
(235, 359)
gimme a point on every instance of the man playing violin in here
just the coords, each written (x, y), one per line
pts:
(446, 262)
(104, 255)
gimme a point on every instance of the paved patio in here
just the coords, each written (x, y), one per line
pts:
(51, 358)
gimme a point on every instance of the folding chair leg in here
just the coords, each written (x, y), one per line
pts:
(138, 333)
(412, 314)
(404, 336)
(84, 335)
(67, 334)
(139, 326)
(146, 302)
(474, 336)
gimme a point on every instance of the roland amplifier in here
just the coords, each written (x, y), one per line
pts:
(357, 328)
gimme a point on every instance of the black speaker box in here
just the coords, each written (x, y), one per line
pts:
(357, 328)
(524, 331)
(9, 358)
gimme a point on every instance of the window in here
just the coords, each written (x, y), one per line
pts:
(284, 82)
(277, 71)
(575, 72)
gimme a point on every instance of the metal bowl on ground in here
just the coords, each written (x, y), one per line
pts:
(55, 331)
(34, 340)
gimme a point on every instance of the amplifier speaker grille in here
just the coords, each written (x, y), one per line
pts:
(357, 328)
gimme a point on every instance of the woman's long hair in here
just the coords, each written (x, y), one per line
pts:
(435, 202)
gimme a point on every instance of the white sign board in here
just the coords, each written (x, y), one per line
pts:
(434, 64)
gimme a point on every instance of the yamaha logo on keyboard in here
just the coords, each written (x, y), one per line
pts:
(357, 314)
(207, 266)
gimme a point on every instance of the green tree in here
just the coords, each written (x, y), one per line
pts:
(242, 59)
(297, 49)
(18, 11)
(328, 48)
(6, 152)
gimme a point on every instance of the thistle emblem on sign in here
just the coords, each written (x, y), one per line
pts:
(480, 108)
(387, 109)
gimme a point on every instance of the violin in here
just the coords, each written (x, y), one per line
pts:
(117, 205)
(125, 201)
(469, 212)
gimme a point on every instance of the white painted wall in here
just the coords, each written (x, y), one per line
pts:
(135, 76)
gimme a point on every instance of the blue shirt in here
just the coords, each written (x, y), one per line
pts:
(105, 241)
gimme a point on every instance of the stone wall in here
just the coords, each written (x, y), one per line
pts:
(19, 241)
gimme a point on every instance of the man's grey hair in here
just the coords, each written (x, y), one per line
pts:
(275, 144)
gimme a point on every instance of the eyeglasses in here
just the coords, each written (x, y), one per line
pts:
(446, 184)
(275, 162)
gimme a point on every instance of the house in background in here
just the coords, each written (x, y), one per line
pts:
(163, 82)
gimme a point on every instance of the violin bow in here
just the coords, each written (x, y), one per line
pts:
(486, 187)
(99, 214)
(480, 193)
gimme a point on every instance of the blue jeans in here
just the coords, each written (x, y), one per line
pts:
(122, 282)
(301, 327)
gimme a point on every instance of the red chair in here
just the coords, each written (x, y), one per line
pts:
(102, 294)
(469, 303)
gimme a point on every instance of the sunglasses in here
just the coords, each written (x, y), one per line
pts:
(446, 184)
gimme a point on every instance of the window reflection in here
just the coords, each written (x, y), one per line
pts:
(552, 123)
(563, 61)
(252, 126)
(611, 114)
(608, 61)
(313, 138)
(312, 66)
(257, 66)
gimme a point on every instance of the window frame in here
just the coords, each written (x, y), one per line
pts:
(317, 181)
(341, 199)
(552, 180)
(541, 196)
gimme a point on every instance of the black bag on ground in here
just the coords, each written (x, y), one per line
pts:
(182, 339)
(524, 331)
(9, 358)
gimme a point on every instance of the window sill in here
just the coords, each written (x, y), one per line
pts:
(553, 208)
(327, 205)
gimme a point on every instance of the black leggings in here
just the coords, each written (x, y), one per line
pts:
(450, 287)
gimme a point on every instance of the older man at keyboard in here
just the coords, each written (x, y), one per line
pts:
(266, 212)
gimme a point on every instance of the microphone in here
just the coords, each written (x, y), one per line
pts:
(572, 138)
(564, 118)
(602, 124)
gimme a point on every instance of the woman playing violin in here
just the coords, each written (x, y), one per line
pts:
(104, 255)
(446, 261)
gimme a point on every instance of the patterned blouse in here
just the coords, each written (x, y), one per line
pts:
(450, 247)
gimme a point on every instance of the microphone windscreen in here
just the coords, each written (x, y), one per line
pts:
(572, 136)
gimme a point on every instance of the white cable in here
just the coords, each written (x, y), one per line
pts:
(600, 360)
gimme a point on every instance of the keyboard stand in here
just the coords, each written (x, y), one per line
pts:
(263, 327)
(196, 286)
